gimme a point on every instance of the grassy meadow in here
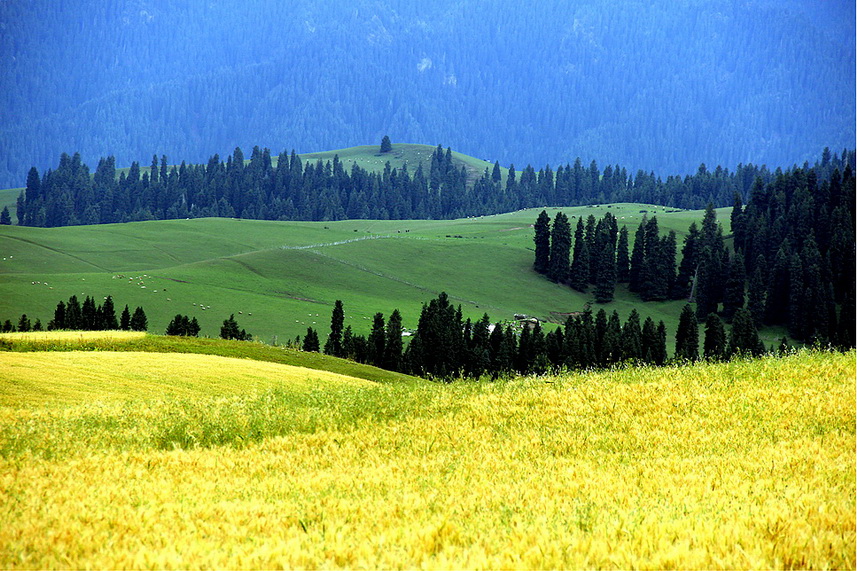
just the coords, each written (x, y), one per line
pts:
(135, 460)
(279, 278)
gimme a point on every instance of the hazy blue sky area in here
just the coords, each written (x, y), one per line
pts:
(659, 86)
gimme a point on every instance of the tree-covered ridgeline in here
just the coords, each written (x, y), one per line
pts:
(298, 190)
(656, 85)
(792, 260)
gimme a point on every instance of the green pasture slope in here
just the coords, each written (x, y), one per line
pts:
(279, 278)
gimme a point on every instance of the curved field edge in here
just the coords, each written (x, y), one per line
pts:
(50, 379)
(133, 341)
(747, 464)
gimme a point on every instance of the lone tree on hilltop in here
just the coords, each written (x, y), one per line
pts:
(386, 145)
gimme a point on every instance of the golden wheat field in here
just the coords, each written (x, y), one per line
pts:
(748, 465)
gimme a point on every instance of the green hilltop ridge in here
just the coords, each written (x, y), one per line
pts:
(368, 157)
(372, 159)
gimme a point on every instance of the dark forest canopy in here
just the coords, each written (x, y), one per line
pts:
(649, 85)
(294, 190)
(792, 261)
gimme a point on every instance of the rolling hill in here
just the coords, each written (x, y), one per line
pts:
(279, 278)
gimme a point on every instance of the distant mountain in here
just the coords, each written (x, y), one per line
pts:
(657, 86)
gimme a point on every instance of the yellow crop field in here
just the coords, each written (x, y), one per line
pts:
(73, 336)
(47, 379)
(748, 465)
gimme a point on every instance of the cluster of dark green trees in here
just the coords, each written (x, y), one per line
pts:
(794, 253)
(183, 325)
(382, 348)
(447, 346)
(600, 257)
(792, 262)
(230, 330)
(88, 316)
(292, 190)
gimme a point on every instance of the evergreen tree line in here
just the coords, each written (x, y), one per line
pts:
(447, 346)
(292, 190)
(88, 316)
(794, 254)
(598, 256)
(382, 348)
(792, 261)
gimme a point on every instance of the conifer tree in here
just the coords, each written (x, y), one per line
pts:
(139, 322)
(73, 319)
(579, 272)
(5, 218)
(386, 145)
(845, 331)
(108, 315)
(743, 337)
(714, 346)
(611, 345)
(650, 278)
(649, 341)
(555, 344)
(543, 246)
(733, 295)
(58, 322)
(779, 287)
(660, 351)
(88, 313)
(638, 258)
(623, 260)
(756, 296)
(687, 336)
(522, 357)
(124, 320)
(688, 266)
(605, 285)
(560, 249)
(24, 323)
(737, 218)
(311, 342)
(796, 322)
(393, 344)
(377, 340)
(333, 346)
(478, 359)
(632, 338)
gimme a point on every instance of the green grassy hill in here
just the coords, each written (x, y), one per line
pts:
(371, 158)
(279, 278)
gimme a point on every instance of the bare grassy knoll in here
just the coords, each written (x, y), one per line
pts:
(748, 464)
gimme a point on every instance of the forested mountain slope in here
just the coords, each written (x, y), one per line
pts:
(655, 86)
